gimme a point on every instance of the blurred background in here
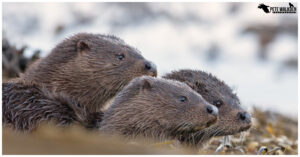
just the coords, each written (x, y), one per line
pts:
(253, 52)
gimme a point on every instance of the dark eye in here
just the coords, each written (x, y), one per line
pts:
(218, 103)
(120, 56)
(78, 104)
(182, 98)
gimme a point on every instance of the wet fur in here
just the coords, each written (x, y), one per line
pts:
(26, 106)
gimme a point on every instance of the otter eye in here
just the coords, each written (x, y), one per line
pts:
(120, 56)
(78, 104)
(218, 103)
(182, 98)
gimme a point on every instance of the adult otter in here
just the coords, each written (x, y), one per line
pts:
(90, 67)
(232, 118)
(157, 108)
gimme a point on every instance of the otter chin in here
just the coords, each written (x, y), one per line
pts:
(244, 128)
(208, 124)
(157, 108)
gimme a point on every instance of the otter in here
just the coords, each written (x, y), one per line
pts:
(232, 118)
(157, 108)
(90, 67)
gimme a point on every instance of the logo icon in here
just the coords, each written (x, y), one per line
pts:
(264, 7)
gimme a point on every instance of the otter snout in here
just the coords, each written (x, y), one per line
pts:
(244, 117)
(245, 120)
(212, 115)
(150, 68)
(212, 110)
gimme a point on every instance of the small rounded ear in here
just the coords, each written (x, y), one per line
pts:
(200, 85)
(146, 84)
(82, 46)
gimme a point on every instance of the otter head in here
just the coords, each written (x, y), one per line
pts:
(92, 68)
(158, 108)
(110, 57)
(232, 118)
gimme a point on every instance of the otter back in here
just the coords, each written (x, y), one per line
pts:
(26, 106)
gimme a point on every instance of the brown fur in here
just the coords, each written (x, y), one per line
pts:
(86, 66)
(151, 107)
(214, 90)
(25, 106)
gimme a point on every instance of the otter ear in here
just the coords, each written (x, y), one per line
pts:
(82, 46)
(146, 84)
(200, 85)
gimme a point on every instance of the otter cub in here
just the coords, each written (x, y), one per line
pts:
(157, 108)
(232, 118)
(90, 67)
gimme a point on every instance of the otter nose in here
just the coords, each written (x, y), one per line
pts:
(149, 66)
(212, 110)
(245, 117)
